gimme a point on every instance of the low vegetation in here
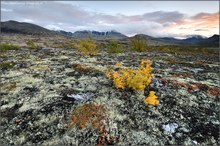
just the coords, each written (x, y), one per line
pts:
(152, 99)
(184, 49)
(88, 114)
(114, 47)
(139, 44)
(88, 47)
(101, 45)
(31, 44)
(8, 46)
(7, 65)
(136, 79)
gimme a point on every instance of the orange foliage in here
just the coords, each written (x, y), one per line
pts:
(152, 99)
(88, 114)
(137, 79)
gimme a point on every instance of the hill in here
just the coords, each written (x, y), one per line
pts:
(194, 40)
(24, 28)
(99, 35)
(152, 41)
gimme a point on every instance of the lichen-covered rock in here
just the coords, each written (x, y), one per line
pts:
(40, 92)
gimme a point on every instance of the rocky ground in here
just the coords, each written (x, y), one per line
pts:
(39, 89)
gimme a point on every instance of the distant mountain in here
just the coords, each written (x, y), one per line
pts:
(65, 33)
(24, 28)
(152, 41)
(213, 40)
(169, 39)
(194, 40)
(99, 35)
(189, 40)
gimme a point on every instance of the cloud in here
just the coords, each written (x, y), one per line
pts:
(28, 20)
(202, 23)
(164, 17)
(6, 10)
(58, 15)
(201, 30)
(52, 27)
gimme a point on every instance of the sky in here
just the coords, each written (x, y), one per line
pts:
(178, 19)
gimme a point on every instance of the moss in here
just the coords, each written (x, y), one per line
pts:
(54, 59)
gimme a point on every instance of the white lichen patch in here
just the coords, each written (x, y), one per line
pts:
(190, 80)
(46, 119)
(42, 61)
(21, 139)
(27, 106)
(92, 59)
(12, 74)
(52, 142)
(183, 92)
(63, 57)
(29, 80)
(40, 67)
(69, 80)
(7, 106)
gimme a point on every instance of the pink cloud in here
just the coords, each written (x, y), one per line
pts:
(207, 23)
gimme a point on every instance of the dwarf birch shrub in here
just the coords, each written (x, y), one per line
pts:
(136, 79)
(152, 99)
(8, 46)
(139, 44)
(114, 47)
(88, 47)
(31, 44)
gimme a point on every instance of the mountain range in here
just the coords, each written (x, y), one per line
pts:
(32, 29)
(195, 40)
(95, 34)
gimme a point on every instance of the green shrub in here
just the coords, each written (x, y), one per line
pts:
(72, 45)
(31, 44)
(8, 46)
(101, 46)
(139, 44)
(7, 65)
(114, 47)
(88, 47)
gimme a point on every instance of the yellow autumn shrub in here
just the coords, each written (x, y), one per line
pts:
(88, 47)
(136, 79)
(152, 99)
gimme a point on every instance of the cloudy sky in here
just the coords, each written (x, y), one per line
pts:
(155, 18)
